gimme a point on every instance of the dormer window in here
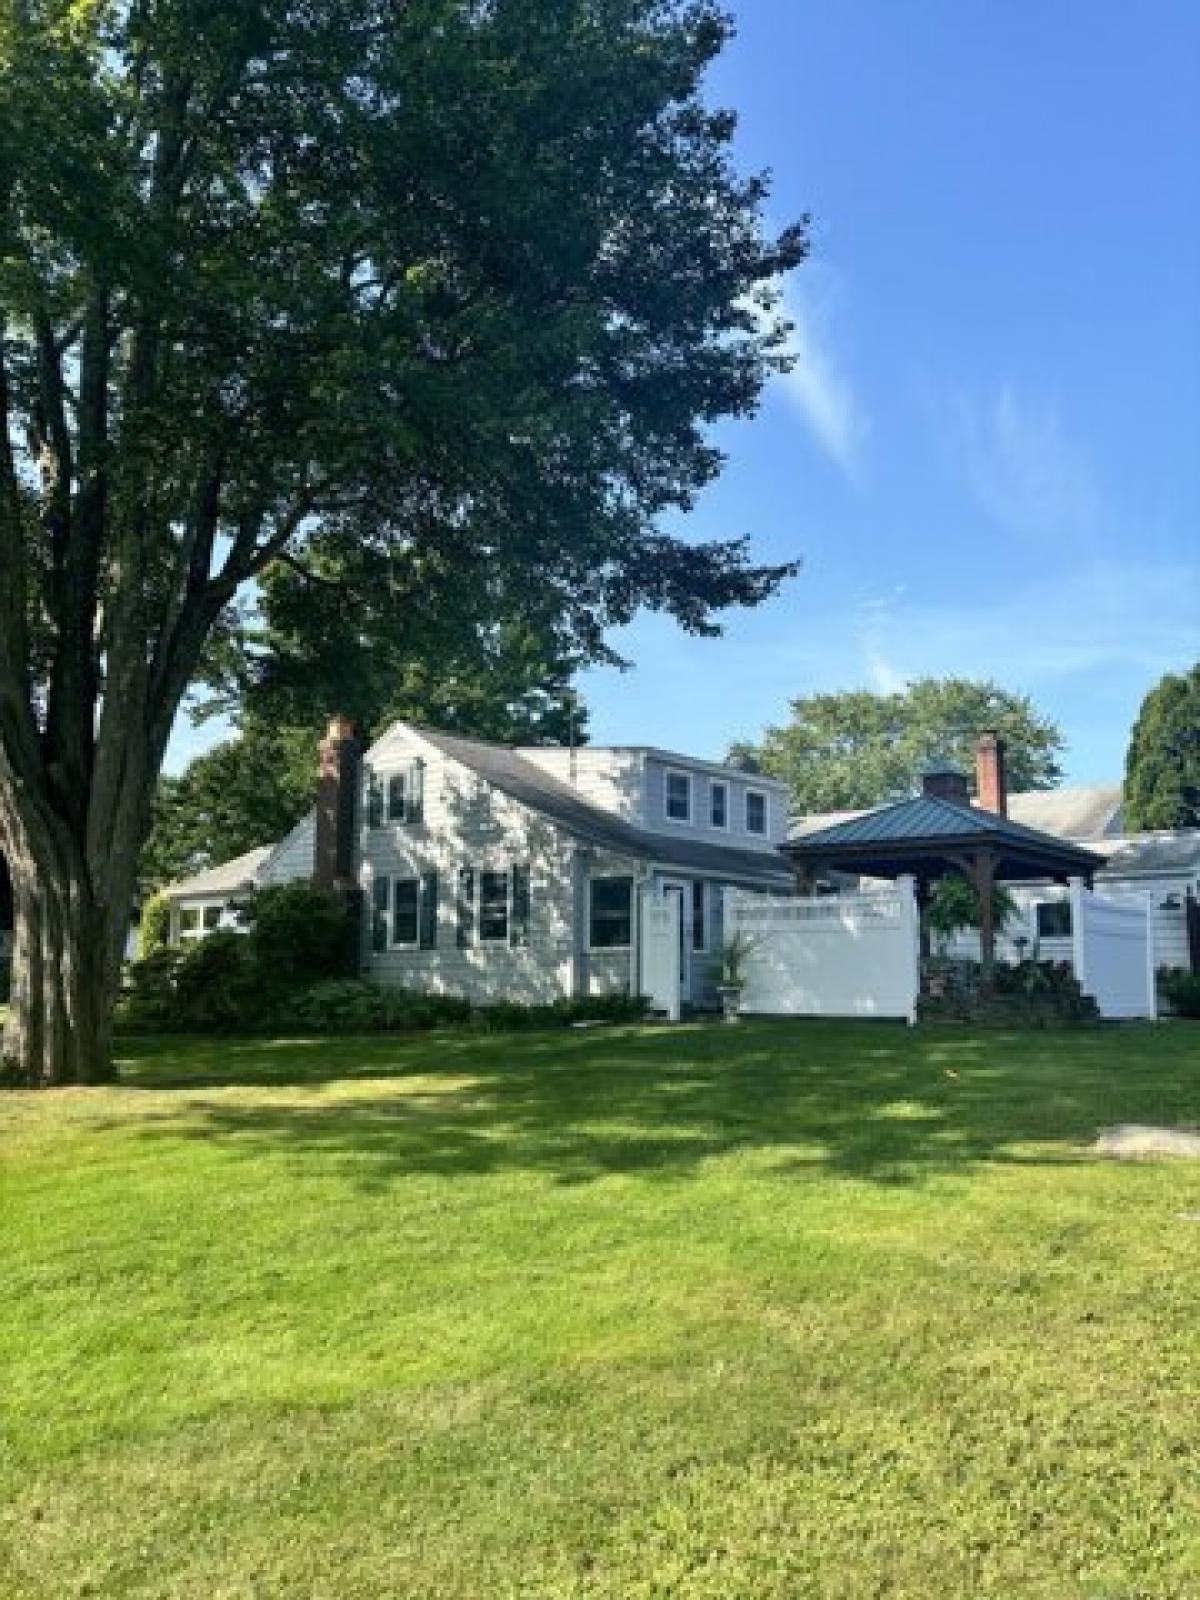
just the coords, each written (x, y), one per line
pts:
(756, 811)
(397, 785)
(718, 804)
(398, 798)
(679, 797)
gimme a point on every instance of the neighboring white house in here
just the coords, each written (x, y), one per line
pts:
(517, 873)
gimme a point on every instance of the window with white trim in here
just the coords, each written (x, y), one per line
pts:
(1054, 919)
(198, 921)
(610, 918)
(718, 803)
(396, 791)
(406, 912)
(756, 811)
(678, 796)
(493, 907)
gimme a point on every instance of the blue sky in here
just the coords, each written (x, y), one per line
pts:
(988, 454)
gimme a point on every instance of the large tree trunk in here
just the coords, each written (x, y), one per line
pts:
(65, 973)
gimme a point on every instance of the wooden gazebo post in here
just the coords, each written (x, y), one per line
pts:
(982, 869)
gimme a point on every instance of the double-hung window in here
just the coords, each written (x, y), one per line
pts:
(398, 798)
(405, 913)
(756, 811)
(493, 907)
(718, 803)
(678, 796)
(1054, 919)
(397, 810)
(610, 923)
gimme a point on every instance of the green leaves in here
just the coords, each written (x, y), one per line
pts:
(1162, 768)
(857, 749)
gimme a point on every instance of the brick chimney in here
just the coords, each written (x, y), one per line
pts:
(991, 776)
(337, 806)
(941, 780)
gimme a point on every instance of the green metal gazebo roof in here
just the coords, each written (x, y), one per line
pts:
(927, 833)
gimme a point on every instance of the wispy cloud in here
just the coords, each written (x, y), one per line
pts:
(1030, 477)
(817, 386)
(1100, 615)
(872, 619)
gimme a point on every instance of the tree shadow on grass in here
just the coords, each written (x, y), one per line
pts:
(867, 1103)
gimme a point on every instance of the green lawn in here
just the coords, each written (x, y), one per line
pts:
(774, 1311)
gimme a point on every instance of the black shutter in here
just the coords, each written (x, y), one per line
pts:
(374, 802)
(429, 910)
(415, 810)
(379, 916)
(518, 928)
(466, 907)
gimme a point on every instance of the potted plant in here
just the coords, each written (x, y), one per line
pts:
(729, 973)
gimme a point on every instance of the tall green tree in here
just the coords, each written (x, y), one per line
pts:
(1162, 767)
(350, 631)
(461, 284)
(857, 748)
(246, 791)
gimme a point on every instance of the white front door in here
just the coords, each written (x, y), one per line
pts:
(660, 946)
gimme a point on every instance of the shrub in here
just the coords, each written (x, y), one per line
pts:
(1027, 993)
(212, 985)
(301, 934)
(1181, 991)
(352, 1005)
(149, 997)
(154, 930)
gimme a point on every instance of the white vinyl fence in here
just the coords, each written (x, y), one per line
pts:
(1113, 952)
(846, 955)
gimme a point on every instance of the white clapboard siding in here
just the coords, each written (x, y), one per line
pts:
(468, 823)
(654, 781)
(610, 779)
(292, 857)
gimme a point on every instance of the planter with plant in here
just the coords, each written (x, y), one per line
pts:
(729, 973)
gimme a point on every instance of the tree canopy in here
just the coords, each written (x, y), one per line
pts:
(445, 293)
(858, 748)
(1162, 767)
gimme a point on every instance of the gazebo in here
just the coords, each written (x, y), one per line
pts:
(940, 832)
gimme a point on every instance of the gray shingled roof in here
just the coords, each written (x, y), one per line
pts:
(1091, 812)
(226, 878)
(537, 789)
(1166, 853)
(930, 820)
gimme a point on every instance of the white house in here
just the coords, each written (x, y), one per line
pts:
(498, 872)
